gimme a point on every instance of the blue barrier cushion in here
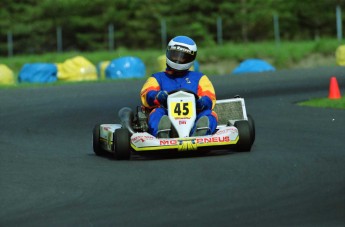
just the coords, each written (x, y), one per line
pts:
(253, 66)
(125, 67)
(38, 73)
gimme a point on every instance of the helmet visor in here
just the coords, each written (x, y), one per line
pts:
(180, 55)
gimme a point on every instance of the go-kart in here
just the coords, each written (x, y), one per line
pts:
(235, 129)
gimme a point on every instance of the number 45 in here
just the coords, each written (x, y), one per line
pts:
(181, 111)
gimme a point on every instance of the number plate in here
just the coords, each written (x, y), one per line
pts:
(180, 110)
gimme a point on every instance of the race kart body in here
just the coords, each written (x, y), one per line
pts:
(235, 129)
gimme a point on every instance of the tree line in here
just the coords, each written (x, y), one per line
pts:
(137, 23)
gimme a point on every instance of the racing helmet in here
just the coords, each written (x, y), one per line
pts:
(181, 53)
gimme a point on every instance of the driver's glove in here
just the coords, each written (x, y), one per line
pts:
(161, 98)
(203, 103)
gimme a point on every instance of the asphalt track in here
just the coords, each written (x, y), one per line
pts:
(294, 175)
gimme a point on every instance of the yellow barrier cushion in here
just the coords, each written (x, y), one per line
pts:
(340, 55)
(76, 69)
(6, 75)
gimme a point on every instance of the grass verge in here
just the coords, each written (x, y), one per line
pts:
(325, 103)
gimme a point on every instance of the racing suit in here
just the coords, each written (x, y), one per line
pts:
(195, 82)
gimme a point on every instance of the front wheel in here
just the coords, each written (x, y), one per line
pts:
(245, 136)
(121, 144)
(97, 148)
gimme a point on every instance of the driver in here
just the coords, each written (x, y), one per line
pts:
(180, 56)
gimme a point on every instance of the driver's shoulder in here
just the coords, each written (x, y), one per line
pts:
(158, 75)
(195, 76)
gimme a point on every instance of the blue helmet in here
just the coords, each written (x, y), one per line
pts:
(181, 53)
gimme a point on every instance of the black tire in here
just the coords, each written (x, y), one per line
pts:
(121, 144)
(97, 148)
(245, 138)
(252, 127)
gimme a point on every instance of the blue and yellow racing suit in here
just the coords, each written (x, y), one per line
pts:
(193, 81)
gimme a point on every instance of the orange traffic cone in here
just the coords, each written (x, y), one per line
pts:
(334, 92)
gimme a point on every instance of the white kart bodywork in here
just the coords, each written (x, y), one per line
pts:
(145, 141)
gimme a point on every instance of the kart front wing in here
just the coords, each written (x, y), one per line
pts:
(223, 137)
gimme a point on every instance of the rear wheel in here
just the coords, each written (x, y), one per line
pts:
(252, 127)
(245, 136)
(97, 148)
(121, 144)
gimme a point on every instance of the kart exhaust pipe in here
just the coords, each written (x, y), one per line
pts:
(126, 116)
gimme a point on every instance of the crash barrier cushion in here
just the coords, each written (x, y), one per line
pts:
(6, 75)
(101, 66)
(253, 66)
(38, 73)
(161, 64)
(340, 55)
(125, 67)
(76, 69)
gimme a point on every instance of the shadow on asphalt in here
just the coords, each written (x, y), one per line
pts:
(166, 156)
